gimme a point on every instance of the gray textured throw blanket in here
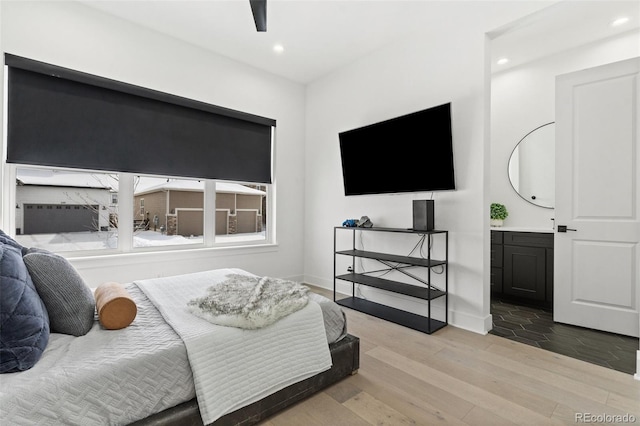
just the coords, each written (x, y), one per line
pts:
(249, 302)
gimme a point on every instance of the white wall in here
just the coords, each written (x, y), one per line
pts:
(523, 98)
(446, 63)
(75, 36)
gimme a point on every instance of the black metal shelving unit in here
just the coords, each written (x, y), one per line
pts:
(422, 289)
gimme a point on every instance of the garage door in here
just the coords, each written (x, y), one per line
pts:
(55, 218)
(247, 221)
(190, 222)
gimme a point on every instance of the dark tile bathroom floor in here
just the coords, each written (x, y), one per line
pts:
(535, 327)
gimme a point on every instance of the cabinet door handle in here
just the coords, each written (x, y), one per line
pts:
(563, 228)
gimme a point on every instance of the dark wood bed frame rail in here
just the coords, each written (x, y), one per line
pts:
(345, 355)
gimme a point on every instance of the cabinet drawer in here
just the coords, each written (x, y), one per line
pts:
(528, 239)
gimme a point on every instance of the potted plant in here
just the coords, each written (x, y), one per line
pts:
(498, 214)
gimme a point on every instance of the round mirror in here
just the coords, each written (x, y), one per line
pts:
(532, 166)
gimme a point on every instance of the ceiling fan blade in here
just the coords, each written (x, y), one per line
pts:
(259, 9)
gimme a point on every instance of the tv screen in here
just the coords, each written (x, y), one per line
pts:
(410, 153)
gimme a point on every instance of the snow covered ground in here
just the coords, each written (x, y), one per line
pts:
(80, 241)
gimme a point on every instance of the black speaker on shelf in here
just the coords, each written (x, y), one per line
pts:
(423, 215)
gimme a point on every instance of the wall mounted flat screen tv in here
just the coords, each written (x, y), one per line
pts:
(410, 153)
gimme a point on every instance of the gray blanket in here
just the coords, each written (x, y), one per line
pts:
(249, 302)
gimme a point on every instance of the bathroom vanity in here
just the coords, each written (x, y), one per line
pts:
(522, 265)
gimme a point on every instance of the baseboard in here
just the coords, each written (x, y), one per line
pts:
(473, 323)
(318, 282)
(296, 278)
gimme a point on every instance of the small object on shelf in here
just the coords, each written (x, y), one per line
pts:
(423, 215)
(498, 214)
(365, 222)
(350, 223)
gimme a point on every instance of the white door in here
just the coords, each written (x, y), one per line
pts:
(597, 261)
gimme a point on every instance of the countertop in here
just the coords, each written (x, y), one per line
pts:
(522, 229)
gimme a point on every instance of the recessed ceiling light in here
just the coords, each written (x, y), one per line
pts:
(502, 61)
(620, 21)
(278, 48)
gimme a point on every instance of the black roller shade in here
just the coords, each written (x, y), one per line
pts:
(60, 117)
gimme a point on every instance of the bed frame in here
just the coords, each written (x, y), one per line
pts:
(345, 355)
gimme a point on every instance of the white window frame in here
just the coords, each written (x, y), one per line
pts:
(127, 212)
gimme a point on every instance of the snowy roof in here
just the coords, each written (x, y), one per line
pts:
(194, 185)
(236, 188)
(145, 187)
(63, 178)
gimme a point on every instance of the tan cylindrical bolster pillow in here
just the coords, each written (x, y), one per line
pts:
(115, 306)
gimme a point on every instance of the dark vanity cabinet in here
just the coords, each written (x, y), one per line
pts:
(522, 267)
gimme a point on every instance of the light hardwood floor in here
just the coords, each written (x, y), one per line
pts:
(458, 377)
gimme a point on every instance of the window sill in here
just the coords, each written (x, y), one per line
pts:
(84, 261)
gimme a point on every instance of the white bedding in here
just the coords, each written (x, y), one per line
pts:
(234, 367)
(115, 377)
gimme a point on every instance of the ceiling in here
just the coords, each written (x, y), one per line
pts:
(319, 37)
(562, 26)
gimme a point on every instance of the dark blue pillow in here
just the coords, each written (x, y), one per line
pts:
(24, 322)
(5, 239)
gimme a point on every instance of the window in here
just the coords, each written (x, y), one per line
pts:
(241, 213)
(62, 210)
(161, 133)
(172, 212)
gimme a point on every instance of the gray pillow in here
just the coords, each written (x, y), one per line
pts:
(68, 299)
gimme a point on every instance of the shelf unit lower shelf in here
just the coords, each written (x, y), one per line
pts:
(393, 286)
(398, 316)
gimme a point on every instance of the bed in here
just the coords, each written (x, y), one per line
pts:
(159, 371)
